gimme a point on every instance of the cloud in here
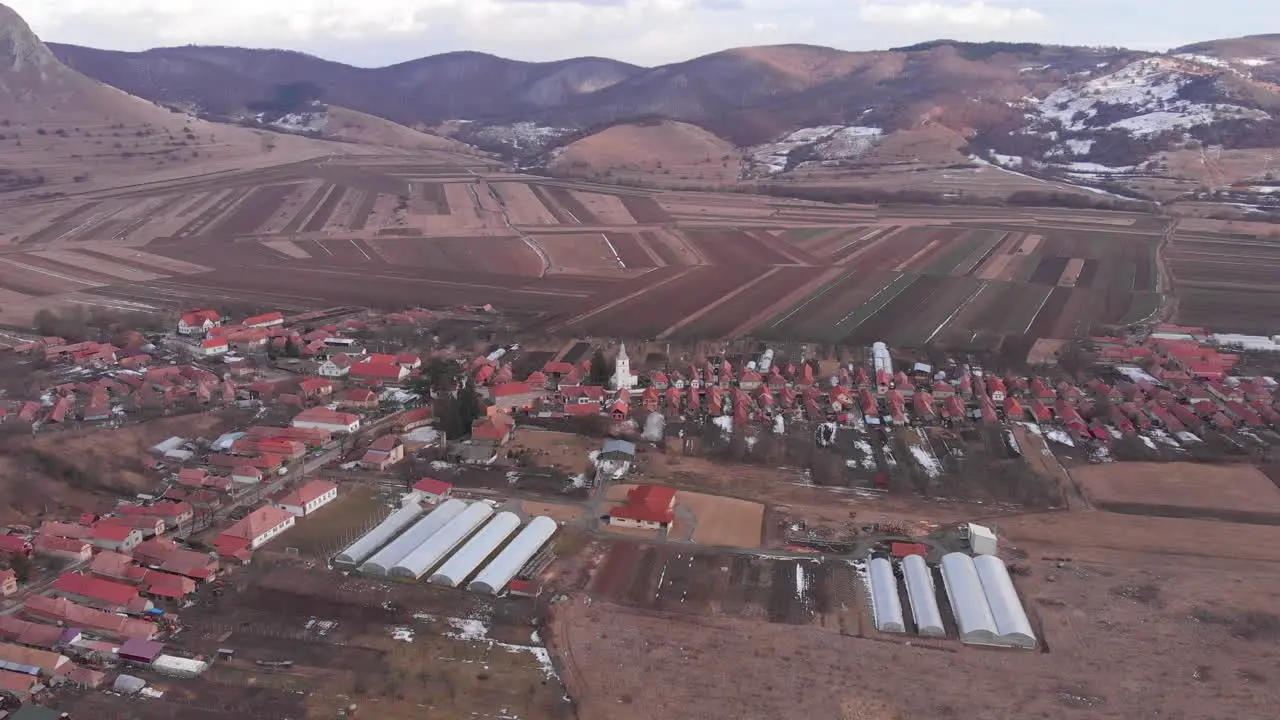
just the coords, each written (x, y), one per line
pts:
(971, 14)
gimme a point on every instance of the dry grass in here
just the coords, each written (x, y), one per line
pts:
(356, 509)
(721, 521)
(555, 511)
(669, 150)
(1189, 485)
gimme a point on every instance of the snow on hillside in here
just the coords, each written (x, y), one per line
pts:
(823, 143)
(1150, 87)
(522, 135)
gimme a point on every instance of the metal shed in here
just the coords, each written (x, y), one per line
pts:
(923, 596)
(375, 538)
(495, 576)
(1012, 625)
(420, 532)
(886, 607)
(968, 601)
(468, 558)
(438, 546)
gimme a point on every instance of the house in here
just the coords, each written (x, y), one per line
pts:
(115, 537)
(166, 555)
(8, 583)
(33, 662)
(358, 399)
(308, 498)
(35, 635)
(198, 322)
(112, 566)
(496, 429)
(513, 395)
(174, 514)
(264, 321)
(61, 610)
(101, 594)
(379, 372)
(214, 346)
(383, 453)
(255, 530)
(582, 394)
(325, 419)
(247, 475)
(20, 685)
(432, 491)
(65, 548)
(648, 507)
(337, 366)
(149, 526)
(315, 388)
(13, 545)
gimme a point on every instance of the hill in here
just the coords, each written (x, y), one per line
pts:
(58, 126)
(675, 150)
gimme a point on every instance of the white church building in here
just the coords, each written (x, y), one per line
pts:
(622, 377)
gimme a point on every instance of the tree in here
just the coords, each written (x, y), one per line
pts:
(291, 349)
(439, 377)
(601, 368)
(21, 567)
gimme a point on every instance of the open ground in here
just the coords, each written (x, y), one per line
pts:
(580, 258)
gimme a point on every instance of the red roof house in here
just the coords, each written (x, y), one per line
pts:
(647, 506)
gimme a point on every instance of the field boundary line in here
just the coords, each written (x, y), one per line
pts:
(828, 279)
(844, 274)
(694, 317)
(619, 301)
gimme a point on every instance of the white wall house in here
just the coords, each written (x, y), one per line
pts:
(309, 498)
(331, 369)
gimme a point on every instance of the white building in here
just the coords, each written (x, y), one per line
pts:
(335, 367)
(325, 419)
(198, 322)
(622, 377)
(214, 346)
(982, 539)
(308, 498)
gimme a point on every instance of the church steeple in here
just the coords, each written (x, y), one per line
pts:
(622, 377)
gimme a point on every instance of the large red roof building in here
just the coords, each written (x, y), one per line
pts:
(648, 506)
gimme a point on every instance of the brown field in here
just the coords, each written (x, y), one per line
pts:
(716, 521)
(1186, 489)
(1226, 282)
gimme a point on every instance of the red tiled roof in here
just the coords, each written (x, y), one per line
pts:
(213, 343)
(307, 493)
(257, 523)
(327, 416)
(96, 588)
(511, 388)
(431, 486)
(73, 615)
(647, 503)
(263, 319)
(389, 371)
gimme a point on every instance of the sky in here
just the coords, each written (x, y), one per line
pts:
(373, 33)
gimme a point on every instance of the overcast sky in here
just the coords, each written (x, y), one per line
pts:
(646, 32)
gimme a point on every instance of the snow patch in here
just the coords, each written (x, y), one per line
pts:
(523, 135)
(926, 461)
(1060, 437)
(1148, 442)
(826, 143)
(467, 629)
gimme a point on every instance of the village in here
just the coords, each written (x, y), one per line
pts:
(353, 443)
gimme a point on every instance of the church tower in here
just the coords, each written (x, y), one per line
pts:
(622, 377)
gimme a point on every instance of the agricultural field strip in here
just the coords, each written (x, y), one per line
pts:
(143, 258)
(578, 319)
(96, 265)
(980, 254)
(982, 285)
(317, 221)
(364, 274)
(844, 274)
(1039, 308)
(308, 208)
(870, 236)
(50, 273)
(56, 224)
(871, 307)
(722, 300)
(792, 284)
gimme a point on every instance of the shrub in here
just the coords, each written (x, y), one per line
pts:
(41, 131)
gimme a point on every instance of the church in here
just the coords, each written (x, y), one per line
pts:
(622, 377)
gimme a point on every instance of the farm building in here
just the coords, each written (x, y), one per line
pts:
(647, 507)
(968, 601)
(369, 543)
(431, 490)
(262, 321)
(1011, 621)
(886, 607)
(30, 661)
(438, 546)
(500, 571)
(255, 530)
(981, 539)
(422, 531)
(921, 593)
(115, 537)
(383, 453)
(468, 559)
(513, 395)
(308, 498)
